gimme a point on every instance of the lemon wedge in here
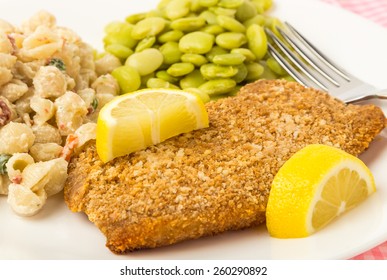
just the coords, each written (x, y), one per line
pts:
(316, 185)
(137, 120)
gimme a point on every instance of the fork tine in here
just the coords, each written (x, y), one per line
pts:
(318, 53)
(287, 66)
(307, 65)
(301, 65)
(305, 56)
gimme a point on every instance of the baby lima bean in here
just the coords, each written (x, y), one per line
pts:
(171, 52)
(192, 80)
(198, 42)
(127, 77)
(218, 86)
(231, 40)
(229, 59)
(148, 27)
(188, 24)
(180, 69)
(257, 40)
(195, 59)
(211, 46)
(146, 61)
(214, 71)
(230, 24)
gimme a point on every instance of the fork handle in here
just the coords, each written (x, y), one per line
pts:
(380, 94)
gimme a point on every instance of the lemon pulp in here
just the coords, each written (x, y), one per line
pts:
(137, 120)
(316, 185)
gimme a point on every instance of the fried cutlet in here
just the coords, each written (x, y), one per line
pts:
(215, 179)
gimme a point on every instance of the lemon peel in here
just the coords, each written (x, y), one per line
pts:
(134, 121)
(316, 185)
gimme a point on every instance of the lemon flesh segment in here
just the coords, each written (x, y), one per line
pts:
(134, 121)
(316, 185)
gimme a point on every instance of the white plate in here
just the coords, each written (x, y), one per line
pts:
(358, 45)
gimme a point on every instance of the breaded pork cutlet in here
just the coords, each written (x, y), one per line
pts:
(215, 179)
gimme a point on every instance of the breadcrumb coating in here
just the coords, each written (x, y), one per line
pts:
(215, 179)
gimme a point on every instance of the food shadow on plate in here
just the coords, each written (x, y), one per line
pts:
(230, 244)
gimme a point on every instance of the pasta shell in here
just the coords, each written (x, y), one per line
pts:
(17, 163)
(16, 138)
(35, 176)
(57, 176)
(49, 175)
(24, 201)
(46, 133)
(45, 151)
(44, 109)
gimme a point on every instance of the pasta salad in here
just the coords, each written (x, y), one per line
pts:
(51, 89)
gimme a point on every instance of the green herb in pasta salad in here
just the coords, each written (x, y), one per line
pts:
(3, 160)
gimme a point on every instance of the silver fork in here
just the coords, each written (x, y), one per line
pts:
(311, 68)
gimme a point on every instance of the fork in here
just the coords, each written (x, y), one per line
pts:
(311, 68)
